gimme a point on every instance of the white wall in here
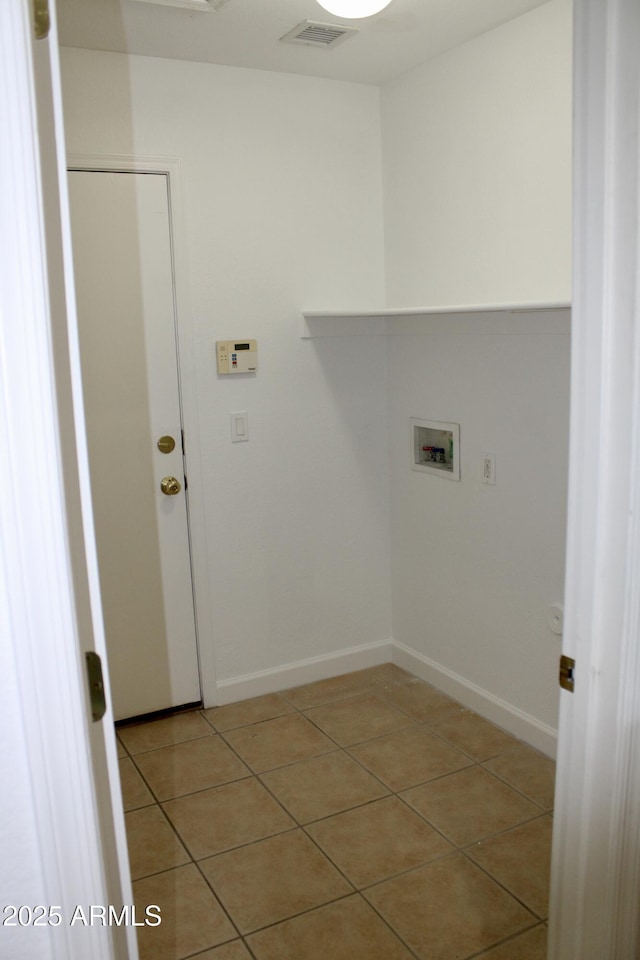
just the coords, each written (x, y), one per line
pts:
(283, 211)
(477, 210)
(477, 168)
(476, 567)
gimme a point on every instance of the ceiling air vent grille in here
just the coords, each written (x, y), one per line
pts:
(318, 34)
(190, 4)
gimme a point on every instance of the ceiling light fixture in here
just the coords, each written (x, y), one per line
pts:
(354, 9)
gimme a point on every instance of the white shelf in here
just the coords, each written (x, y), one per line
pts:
(484, 318)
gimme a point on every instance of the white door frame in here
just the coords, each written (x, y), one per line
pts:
(71, 818)
(171, 167)
(596, 856)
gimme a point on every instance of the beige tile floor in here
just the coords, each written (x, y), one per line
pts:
(366, 817)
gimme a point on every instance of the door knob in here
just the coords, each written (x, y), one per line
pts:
(170, 486)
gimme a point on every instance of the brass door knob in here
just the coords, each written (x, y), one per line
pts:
(170, 486)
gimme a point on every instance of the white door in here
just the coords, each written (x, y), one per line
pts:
(63, 837)
(125, 300)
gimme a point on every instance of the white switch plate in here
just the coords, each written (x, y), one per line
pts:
(239, 426)
(489, 468)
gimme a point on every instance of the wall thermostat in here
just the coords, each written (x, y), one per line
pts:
(237, 356)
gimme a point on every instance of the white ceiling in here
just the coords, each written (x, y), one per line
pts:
(246, 33)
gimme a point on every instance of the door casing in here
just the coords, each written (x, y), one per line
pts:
(594, 910)
(77, 837)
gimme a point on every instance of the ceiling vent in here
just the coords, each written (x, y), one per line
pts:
(189, 4)
(314, 34)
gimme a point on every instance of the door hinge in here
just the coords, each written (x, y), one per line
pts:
(41, 19)
(567, 671)
(97, 697)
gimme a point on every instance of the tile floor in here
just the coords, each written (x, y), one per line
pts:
(366, 817)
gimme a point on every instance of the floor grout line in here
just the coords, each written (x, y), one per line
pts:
(302, 825)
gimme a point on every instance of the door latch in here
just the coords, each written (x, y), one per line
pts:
(567, 670)
(96, 686)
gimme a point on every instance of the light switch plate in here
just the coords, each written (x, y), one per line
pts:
(239, 426)
(489, 469)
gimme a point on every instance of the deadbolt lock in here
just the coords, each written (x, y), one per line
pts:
(170, 486)
(166, 444)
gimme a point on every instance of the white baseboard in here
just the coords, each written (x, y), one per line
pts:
(304, 671)
(503, 714)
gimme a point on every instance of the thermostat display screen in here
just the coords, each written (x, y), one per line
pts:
(242, 346)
